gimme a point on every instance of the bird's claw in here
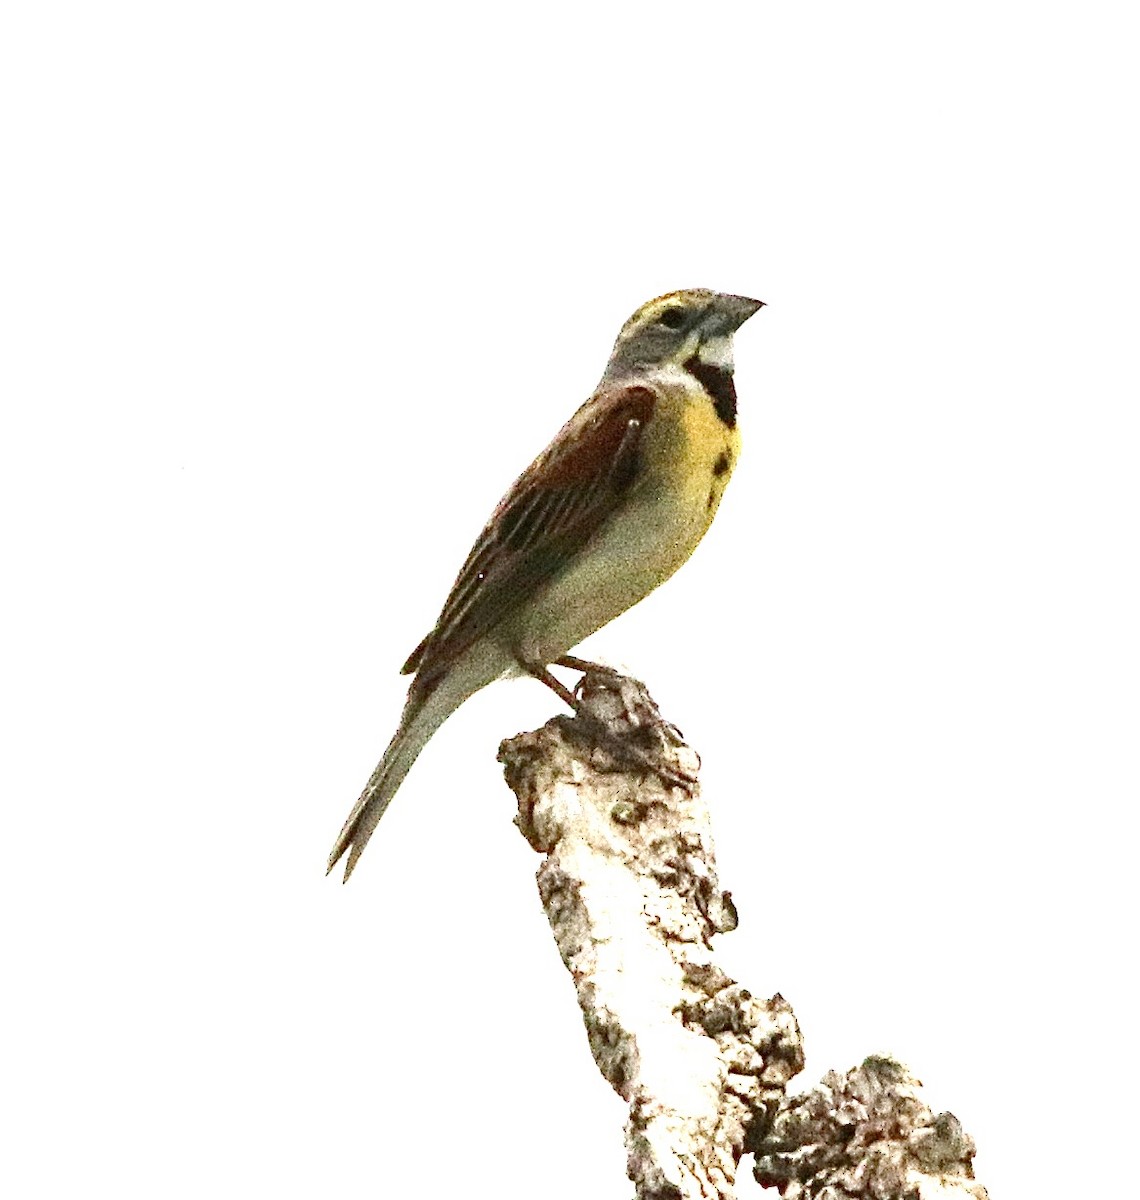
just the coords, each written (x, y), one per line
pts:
(620, 714)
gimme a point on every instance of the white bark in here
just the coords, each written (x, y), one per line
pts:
(630, 888)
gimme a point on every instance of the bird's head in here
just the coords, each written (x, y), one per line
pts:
(676, 328)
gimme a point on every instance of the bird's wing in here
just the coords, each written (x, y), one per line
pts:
(549, 514)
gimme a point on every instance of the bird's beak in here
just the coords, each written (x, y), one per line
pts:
(739, 308)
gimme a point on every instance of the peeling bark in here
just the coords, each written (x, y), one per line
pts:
(867, 1133)
(630, 889)
(629, 885)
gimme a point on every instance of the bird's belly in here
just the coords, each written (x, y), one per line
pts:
(633, 553)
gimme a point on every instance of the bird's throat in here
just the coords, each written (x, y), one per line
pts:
(717, 381)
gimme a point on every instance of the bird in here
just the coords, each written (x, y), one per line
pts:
(606, 513)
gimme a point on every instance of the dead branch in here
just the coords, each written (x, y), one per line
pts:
(629, 885)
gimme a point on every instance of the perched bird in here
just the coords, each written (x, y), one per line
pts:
(607, 512)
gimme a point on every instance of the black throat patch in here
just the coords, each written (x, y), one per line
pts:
(718, 383)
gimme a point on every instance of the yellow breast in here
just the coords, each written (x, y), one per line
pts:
(703, 455)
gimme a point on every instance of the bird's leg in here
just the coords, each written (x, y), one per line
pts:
(580, 664)
(539, 672)
(618, 745)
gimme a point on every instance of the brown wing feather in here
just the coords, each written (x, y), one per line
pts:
(548, 515)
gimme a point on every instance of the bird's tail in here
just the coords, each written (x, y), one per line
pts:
(423, 714)
(422, 717)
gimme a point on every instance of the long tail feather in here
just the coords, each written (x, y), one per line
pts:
(423, 715)
(410, 739)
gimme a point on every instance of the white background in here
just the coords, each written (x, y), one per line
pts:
(290, 294)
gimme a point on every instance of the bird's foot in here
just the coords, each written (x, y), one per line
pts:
(617, 714)
(620, 716)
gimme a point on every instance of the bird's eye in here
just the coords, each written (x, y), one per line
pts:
(672, 318)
